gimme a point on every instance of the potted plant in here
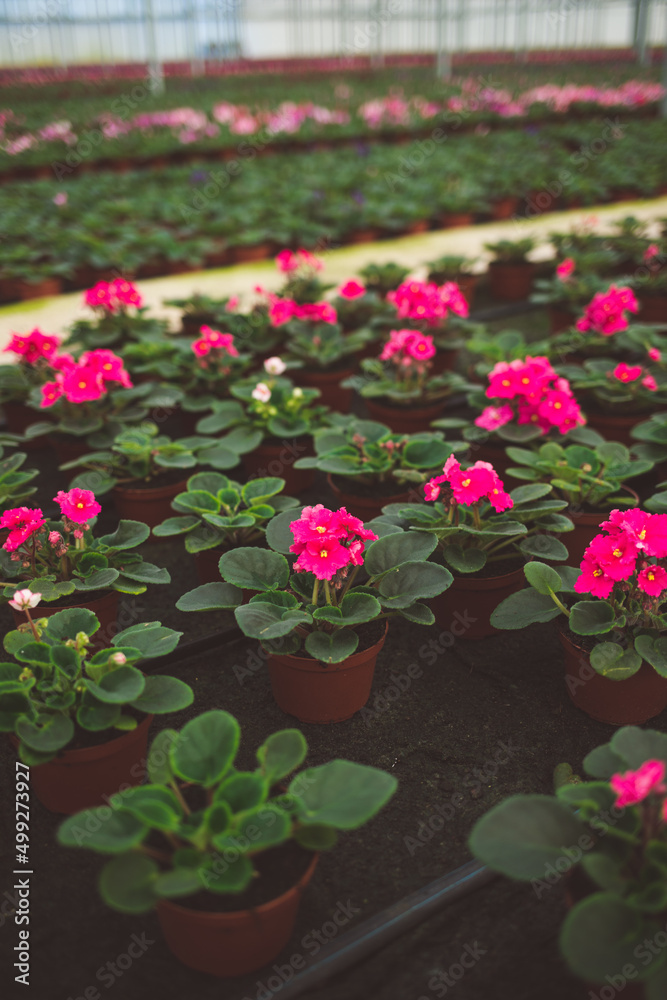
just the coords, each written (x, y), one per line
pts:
(224, 832)
(368, 466)
(399, 386)
(649, 279)
(357, 305)
(483, 534)
(428, 307)
(383, 278)
(217, 514)
(511, 274)
(576, 279)
(606, 838)
(14, 481)
(201, 310)
(120, 317)
(270, 425)
(80, 718)
(617, 673)
(327, 356)
(457, 269)
(63, 558)
(300, 269)
(322, 628)
(32, 368)
(590, 477)
(152, 464)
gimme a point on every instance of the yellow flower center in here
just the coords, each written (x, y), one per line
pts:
(557, 406)
(79, 506)
(617, 553)
(505, 382)
(321, 529)
(466, 482)
(525, 381)
(651, 576)
(642, 534)
(597, 572)
(323, 554)
(82, 385)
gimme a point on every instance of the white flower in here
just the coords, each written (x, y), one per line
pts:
(24, 599)
(274, 366)
(261, 392)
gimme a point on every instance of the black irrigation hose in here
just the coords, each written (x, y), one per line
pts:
(377, 932)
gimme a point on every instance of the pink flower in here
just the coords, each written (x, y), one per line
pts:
(634, 786)
(652, 580)
(23, 600)
(650, 383)
(281, 311)
(351, 290)
(325, 541)
(274, 366)
(55, 538)
(605, 313)
(651, 251)
(233, 303)
(654, 354)
(593, 579)
(323, 557)
(82, 384)
(109, 366)
(493, 417)
(125, 293)
(22, 522)
(648, 532)
(60, 198)
(261, 392)
(615, 554)
(33, 346)
(100, 297)
(317, 312)
(565, 268)
(627, 373)
(78, 505)
(51, 393)
(470, 485)
(286, 261)
(420, 348)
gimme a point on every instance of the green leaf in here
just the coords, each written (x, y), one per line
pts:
(242, 791)
(653, 650)
(255, 569)
(398, 548)
(178, 882)
(210, 596)
(151, 638)
(261, 489)
(524, 834)
(332, 647)
(610, 660)
(603, 762)
(205, 748)
(113, 834)
(600, 935)
(175, 526)
(227, 876)
(119, 686)
(66, 624)
(263, 620)
(51, 732)
(419, 613)
(542, 577)
(464, 560)
(127, 535)
(522, 609)
(127, 883)
(591, 617)
(96, 715)
(544, 547)
(635, 746)
(157, 764)
(163, 694)
(413, 581)
(342, 794)
(154, 805)
(278, 534)
(316, 836)
(282, 753)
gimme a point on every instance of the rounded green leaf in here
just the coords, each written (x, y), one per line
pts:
(119, 686)
(210, 597)
(397, 548)
(127, 883)
(163, 694)
(282, 753)
(255, 569)
(522, 609)
(109, 831)
(332, 647)
(412, 581)
(157, 764)
(206, 748)
(591, 617)
(601, 934)
(242, 791)
(341, 793)
(542, 578)
(610, 660)
(50, 734)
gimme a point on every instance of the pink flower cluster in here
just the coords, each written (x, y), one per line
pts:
(22, 522)
(289, 261)
(633, 538)
(470, 485)
(112, 296)
(77, 505)
(634, 787)
(565, 269)
(605, 313)
(540, 396)
(33, 346)
(351, 290)
(86, 379)
(427, 302)
(283, 310)
(327, 541)
(408, 347)
(631, 373)
(213, 340)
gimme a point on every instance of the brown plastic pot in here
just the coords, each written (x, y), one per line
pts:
(504, 208)
(560, 319)
(456, 220)
(8, 290)
(278, 460)
(362, 236)
(151, 505)
(40, 289)
(323, 694)
(420, 226)
(629, 702)
(468, 283)
(328, 382)
(511, 282)
(366, 507)
(653, 309)
(87, 778)
(18, 416)
(236, 943)
(105, 607)
(405, 419)
(248, 254)
(67, 448)
(465, 608)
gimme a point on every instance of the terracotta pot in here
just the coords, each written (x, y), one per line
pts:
(653, 309)
(315, 693)
(8, 290)
(18, 416)
(151, 505)
(504, 208)
(232, 944)
(67, 448)
(493, 453)
(40, 289)
(629, 702)
(616, 427)
(366, 507)
(560, 319)
(465, 608)
(362, 236)
(420, 226)
(278, 460)
(468, 283)
(328, 382)
(511, 282)
(220, 258)
(405, 420)
(445, 361)
(248, 254)
(105, 607)
(456, 220)
(87, 778)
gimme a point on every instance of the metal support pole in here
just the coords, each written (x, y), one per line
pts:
(444, 60)
(155, 73)
(663, 105)
(521, 47)
(641, 31)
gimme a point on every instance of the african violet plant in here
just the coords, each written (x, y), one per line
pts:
(317, 601)
(511, 251)
(474, 520)
(373, 455)
(618, 387)
(383, 278)
(142, 454)
(356, 306)
(33, 365)
(216, 512)
(200, 806)
(323, 346)
(14, 481)
(608, 836)
(624, 571)
(120, 317)
(59, 558)
(59, 685)
(589, 476)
